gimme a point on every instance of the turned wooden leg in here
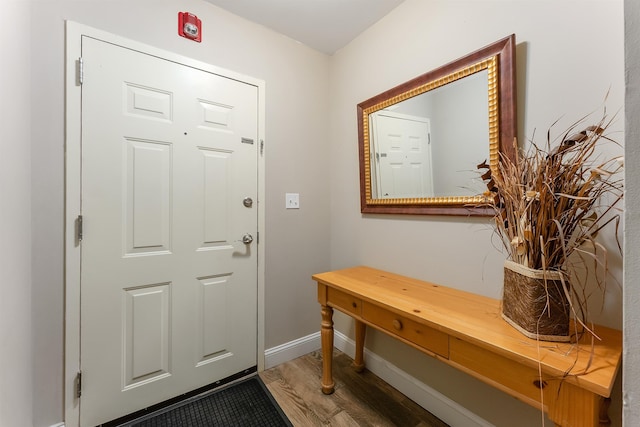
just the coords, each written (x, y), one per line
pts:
(358, 362)
(326, 336)
(605, 421)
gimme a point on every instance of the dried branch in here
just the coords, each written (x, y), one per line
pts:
(552, 201)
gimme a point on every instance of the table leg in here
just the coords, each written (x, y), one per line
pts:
(358, 362)
(569, 405)
(326, 336)
(604, 419)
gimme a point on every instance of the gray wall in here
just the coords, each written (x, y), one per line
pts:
(15, 211)
(631, 371)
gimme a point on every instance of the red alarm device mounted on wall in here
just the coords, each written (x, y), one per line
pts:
(189, 26)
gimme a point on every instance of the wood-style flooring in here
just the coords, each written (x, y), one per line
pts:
(360, 399)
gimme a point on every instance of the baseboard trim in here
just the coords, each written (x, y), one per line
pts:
(435, 402)
(57, 425)
(291, 350)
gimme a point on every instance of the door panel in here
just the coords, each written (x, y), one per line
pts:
(168, 290)
(146, 333)
(215, 166)
(212, 330)
(148, 196)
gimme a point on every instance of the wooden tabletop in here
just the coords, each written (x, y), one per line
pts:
(592, 364)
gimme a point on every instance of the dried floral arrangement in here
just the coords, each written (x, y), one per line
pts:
(552, 200)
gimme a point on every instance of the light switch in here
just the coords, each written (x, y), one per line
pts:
(292, 200)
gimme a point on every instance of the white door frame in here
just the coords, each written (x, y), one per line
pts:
(73, 162)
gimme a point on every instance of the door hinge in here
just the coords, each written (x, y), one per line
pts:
(79, 229)
(78, 384)
(261, 146)
(80, 72)
(257, 237)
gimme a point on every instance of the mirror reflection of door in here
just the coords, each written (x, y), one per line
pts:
(428, 145)
(402, 155)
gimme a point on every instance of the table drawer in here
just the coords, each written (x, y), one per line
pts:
(344, 301)
(421, 335)
(516, 379)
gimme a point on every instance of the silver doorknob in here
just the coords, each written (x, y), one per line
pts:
(247, 238)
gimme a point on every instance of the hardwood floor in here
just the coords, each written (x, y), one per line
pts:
(359, 399)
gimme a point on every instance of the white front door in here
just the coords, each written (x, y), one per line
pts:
(168, 287)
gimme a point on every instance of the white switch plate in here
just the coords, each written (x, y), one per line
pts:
(292, 200)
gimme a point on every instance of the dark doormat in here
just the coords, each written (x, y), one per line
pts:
(247, 403)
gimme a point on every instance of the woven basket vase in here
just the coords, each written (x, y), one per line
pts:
(534, 302)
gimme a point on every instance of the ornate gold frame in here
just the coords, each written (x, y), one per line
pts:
(499, 61)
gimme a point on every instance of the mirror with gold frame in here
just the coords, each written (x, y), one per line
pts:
(420, 142)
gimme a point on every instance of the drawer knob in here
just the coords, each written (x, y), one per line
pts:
(540, 384)
(354, 304)
(397, 324)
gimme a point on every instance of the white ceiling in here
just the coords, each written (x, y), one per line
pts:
(325, 25)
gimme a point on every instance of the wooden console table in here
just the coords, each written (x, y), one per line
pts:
(466, 331)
